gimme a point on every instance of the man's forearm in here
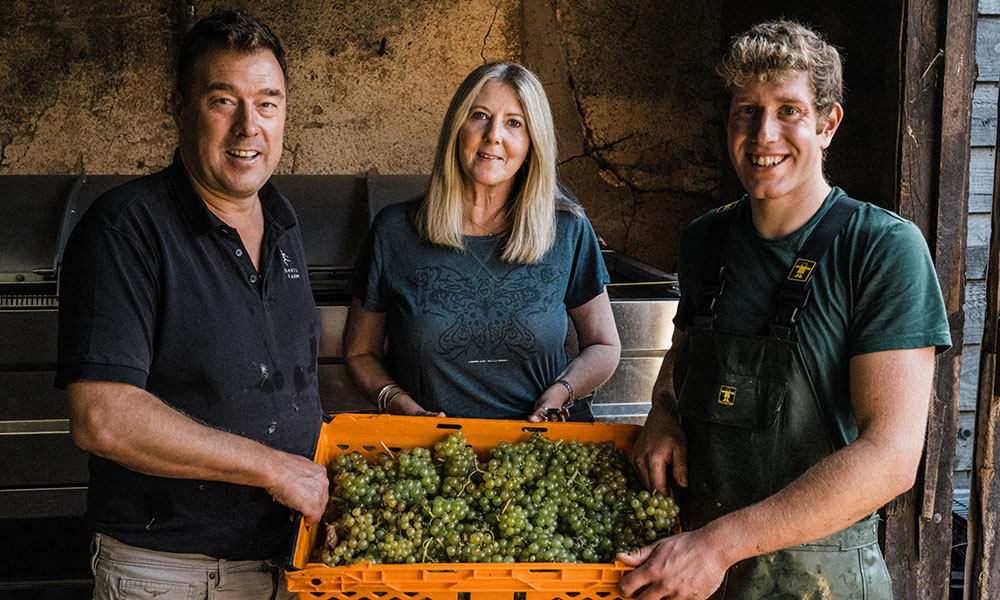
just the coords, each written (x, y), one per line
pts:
(835, 493)
(137, 430)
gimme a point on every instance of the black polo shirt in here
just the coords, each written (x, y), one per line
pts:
(156, 291)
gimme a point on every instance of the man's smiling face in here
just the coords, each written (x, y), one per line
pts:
(776, 138)
(231, 123)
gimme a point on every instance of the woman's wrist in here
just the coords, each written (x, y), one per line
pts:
(386, 395)
(571, 393)
(393, 396)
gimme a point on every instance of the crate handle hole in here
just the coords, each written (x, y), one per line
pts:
(535, 429)
(448, 426)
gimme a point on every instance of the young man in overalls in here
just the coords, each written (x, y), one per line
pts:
(793, 401)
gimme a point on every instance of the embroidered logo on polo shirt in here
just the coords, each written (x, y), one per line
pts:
(290, 271)
(727, 395)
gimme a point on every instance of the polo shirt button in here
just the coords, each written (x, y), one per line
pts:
(223, 231)
(253, 279)
(239, 252)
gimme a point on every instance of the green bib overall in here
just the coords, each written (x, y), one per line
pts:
(753, 424)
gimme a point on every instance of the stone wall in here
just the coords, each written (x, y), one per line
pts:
(86, 88)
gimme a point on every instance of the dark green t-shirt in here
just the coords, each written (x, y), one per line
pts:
(470, 334)
(875, 289)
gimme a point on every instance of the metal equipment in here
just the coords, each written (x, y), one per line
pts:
(45, 475)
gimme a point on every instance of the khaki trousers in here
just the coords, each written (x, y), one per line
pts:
(124, 572)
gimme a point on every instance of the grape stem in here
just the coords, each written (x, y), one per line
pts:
(391, 455)
(506, 504)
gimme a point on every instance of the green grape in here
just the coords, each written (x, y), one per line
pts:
(539, 500)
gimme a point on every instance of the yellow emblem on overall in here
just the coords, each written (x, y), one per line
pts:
(801, 270)
(727, 395)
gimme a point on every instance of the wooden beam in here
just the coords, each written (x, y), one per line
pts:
(982, 560)
(937, 77)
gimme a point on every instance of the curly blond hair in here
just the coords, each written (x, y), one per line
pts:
(771, 49)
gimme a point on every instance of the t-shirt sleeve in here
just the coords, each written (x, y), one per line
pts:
(366, 278)
(589, 274)
(898, 303)
(687, 279)
(107, 308)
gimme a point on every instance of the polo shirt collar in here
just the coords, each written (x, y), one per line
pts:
(277, 212)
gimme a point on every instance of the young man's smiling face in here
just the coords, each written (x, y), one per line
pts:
(232, 123)
(776, 138)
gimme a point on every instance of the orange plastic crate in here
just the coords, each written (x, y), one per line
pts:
(366, 434)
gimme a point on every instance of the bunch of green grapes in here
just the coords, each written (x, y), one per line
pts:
(534, 501)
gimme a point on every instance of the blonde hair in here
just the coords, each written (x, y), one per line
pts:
(536, 195)
(771, 49)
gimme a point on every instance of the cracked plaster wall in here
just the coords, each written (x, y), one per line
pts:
(637, 109)
(87, 90)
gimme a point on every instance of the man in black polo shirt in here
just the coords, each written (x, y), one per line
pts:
(188, 340)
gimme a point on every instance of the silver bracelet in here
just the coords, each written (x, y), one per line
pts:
(569, 388)
(392, 397)
(381, 400)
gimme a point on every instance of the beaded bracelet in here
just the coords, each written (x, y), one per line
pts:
(569, 388)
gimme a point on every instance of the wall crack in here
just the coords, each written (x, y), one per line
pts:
(482, 50)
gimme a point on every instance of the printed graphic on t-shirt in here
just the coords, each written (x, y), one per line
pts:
(486, 315)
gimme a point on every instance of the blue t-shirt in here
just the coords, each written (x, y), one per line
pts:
(470, 334)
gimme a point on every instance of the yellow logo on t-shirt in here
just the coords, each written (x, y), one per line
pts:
(727, 395)
(801, 270)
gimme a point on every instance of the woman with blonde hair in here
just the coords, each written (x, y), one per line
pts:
(474, 284)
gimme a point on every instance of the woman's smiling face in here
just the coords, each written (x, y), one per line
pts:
(493, 141)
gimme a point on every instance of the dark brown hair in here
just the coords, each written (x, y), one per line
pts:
(225, 30)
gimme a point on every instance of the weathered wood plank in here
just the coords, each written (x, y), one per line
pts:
(980, 203)
(984, 114)
(969, 377)
(989, 7)
(975, 266)
(979, 230)
(966, 439)
(963, 480)
(975, 310)
(978, 246)
(981, 171)
(988, 48)
(936, 107)
(982, 563)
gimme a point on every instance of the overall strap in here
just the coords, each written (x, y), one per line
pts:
(796, 288)
(711, 284)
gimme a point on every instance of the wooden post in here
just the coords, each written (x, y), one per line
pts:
(937, 77)
(982, 560)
